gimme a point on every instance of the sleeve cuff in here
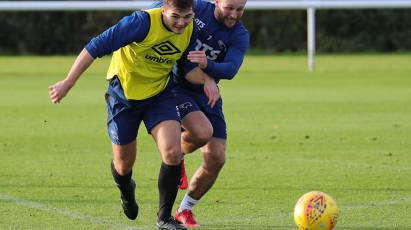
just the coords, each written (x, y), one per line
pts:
(210, 67)
(91, 50)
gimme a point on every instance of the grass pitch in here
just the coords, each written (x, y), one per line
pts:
(344, 130)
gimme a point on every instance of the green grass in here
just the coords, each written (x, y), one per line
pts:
(344, 129)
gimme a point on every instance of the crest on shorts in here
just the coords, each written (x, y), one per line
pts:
(185, 105)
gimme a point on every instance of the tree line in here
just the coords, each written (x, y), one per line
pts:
(383, 30)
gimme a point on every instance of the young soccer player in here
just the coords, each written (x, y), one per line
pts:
(146, 45)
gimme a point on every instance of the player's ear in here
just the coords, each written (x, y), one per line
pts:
(164, 8)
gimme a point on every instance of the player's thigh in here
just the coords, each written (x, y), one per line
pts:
(162, 107)
(214, 115)
(197, 124)
(122, 121)
(162, 120)
(219, 125)
(167, 137)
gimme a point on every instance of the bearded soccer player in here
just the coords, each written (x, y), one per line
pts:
(146, 46)
(216, 54)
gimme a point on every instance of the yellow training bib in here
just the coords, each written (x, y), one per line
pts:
(143, 67)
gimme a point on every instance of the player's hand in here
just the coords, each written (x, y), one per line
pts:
(211, 90)
(198, 57)
(59, 90)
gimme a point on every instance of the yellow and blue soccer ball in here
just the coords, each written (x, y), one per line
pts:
(316, 211)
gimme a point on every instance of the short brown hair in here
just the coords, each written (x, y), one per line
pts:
(180, 4)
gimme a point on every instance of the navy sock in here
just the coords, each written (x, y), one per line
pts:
(168, 180)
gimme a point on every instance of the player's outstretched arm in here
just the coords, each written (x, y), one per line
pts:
(60, 89)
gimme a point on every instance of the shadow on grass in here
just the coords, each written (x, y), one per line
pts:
(246, 226)
(290, 227)
(373, 228)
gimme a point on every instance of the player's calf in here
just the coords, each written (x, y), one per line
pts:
(127, 188)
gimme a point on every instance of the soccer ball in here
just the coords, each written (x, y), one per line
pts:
(316, 211)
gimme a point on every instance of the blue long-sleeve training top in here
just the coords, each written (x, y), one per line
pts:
(132, 28)
(225, 47)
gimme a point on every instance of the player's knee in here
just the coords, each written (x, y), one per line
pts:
(204, 137)
(171, 155)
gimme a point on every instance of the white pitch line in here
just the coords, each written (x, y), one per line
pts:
(95, 220)
(66, 213)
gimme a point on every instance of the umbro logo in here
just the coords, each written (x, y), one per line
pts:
(166, 48)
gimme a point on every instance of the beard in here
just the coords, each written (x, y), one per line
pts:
(226, 20)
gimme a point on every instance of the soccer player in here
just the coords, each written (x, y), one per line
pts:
(146, 46)
(217, 53)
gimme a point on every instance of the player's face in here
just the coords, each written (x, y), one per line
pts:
(229, 12)
(177, 20)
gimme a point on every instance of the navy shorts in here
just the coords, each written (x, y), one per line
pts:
(192, 100)
(124, 116)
